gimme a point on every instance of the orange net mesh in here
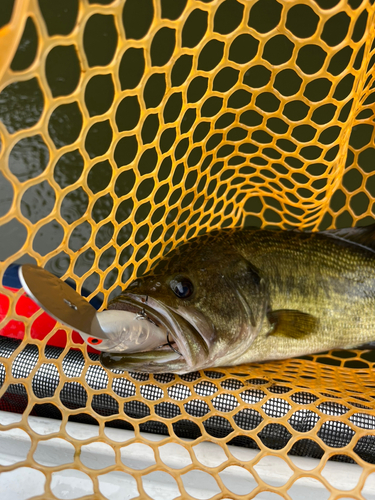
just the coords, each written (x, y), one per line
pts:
(127, 127)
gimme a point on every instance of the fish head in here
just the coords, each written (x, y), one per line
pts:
(209, 299)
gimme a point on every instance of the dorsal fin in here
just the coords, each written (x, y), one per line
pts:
(363, 236)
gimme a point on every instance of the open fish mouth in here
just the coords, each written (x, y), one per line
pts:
(183, 351)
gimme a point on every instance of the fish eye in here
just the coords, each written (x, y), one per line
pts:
(94, 341)
(182, 287)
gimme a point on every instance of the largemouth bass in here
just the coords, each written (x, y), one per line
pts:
(241, 296)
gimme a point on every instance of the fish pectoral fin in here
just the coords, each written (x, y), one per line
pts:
(292, 323)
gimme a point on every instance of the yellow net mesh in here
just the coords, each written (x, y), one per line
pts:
(127, 127)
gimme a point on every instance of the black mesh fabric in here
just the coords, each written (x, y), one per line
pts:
(274, 436)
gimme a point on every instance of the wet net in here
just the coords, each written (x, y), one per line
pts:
(127, 127)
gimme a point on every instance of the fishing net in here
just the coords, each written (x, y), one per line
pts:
(126, 128)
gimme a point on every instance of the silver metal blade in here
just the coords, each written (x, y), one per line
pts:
(57, 298)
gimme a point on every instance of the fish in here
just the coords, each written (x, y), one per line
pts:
(239, 296)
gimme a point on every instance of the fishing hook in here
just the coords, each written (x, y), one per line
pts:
(141, 315)
(171, 346)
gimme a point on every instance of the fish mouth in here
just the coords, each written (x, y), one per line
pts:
(185, 349)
